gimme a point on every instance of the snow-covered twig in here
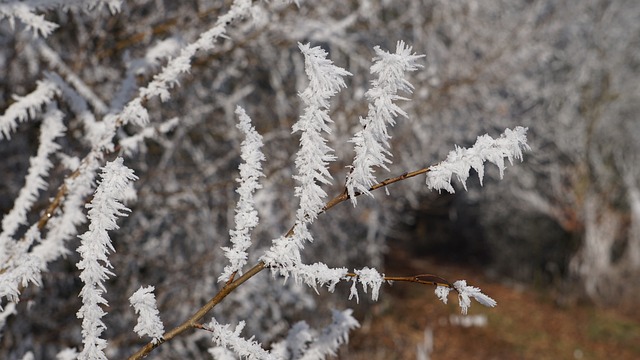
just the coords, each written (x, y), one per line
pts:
(325, 80)
(231, 339)
(461, 160)
(95, 245)
(372, 142)
(149, 323)
(26, 106)
(246, 217)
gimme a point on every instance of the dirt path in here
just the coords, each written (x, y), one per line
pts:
(526, 324)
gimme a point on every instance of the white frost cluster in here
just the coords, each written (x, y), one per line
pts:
(368, 278)
(95, 245)
(303, 342)
(168, 78)
(149, 323)
(40, 165)
(67, 354)
(372, 142)
(465, 293)
(17, 265)
(26, 106)
(325, 80)
(245, 348)
(460, 161)
(246, 217)
(25, 11)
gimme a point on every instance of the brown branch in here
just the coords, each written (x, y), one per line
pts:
(192, 322)
(344, 196)
(425, 279)
(231, 284)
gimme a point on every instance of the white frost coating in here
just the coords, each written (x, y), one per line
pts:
(442, 292)
(168, 77)
(95, 245)
(318, 274)
(368, 278)
(40, 165)
(67, 354)
(244, 348)
(221, 353)
(26, 106)
(372, 142)
(312, 160)
(331, 337)
(460, 161)
(63, 226)
(18, 267)
(246, 217)
(303, 342)
(465, 293)
(149, 323)
(23, 12)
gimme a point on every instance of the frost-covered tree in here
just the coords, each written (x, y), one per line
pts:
(227, 195)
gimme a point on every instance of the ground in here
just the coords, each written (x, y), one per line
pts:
(528, 323)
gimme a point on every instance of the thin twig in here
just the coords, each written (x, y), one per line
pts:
(231, 285)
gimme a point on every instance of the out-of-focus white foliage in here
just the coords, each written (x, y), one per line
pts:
(131, 144)
(67, 354)
(303, 342)
(25, 12)
(231, 339)
(149, 323)
(95, 245)
(19, 266)
(246, 217)
(26, 106)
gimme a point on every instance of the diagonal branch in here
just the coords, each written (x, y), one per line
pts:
(232, 283)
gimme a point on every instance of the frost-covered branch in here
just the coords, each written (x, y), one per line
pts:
(460, 161)
(325, 80)
(168, 78)
(372, 142)
(149, 323)
(26, 106)
(95, 245)
(245, 348)
(246, 217)
(465, 293)
(40, 165)
(18, 265)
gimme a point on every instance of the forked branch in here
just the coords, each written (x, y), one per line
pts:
(232, 284)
